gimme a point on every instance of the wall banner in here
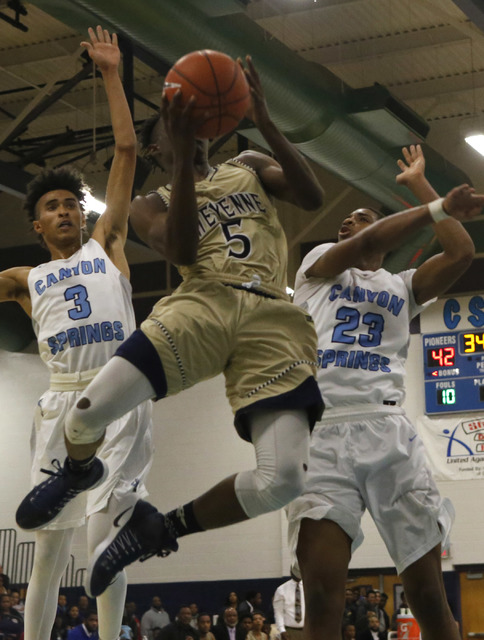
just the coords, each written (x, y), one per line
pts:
(454, 445)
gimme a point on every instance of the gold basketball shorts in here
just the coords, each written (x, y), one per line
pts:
(266, 347)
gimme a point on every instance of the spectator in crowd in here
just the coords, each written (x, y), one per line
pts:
(204, 622)
(349, 632)
(363, 607)
(349, 613)
(83, 605)
(133, 620)
(59, 631)
(245, 622)
(227, 628)
(126, 631)
(62, 605)
(11, 623)
(256, 633)
(8, 608)
(72, 619)
(5, 579)
(381, 613)
(87, 630)
(232, 600)
(17, 604)
(373, 632)
(253, 600)
(194, 620)
(270, 630)
(156, 616)
(181, 629)
(3, 588)
(289, 609)
(383, 600)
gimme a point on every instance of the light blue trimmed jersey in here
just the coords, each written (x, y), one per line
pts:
(81, 309)
(362, 320)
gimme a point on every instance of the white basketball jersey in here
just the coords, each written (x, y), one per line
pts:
(362, 321)
(81, 309)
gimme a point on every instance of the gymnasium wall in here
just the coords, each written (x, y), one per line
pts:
(196, 446)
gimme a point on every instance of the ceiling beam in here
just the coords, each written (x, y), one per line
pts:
(41, 102)
(392, 44)
(473, 10)
(46, 51)
(38, 155)
(278, 8)
(438, 86)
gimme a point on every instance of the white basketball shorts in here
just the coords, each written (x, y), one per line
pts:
(370, 457)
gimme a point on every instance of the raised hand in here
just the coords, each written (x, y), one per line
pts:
(258, 111)
(180, 123)
(414, 166)
(462, 203)
(103, 48)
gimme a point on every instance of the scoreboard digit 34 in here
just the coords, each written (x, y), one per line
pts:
(454, 371)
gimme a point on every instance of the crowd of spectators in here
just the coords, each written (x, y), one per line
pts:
(365, 618)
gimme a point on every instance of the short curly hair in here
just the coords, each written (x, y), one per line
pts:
(67, 178)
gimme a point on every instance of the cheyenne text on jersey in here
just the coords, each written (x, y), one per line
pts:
(228, 207)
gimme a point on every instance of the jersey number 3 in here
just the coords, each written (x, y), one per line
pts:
(350, 322)
(82, 307)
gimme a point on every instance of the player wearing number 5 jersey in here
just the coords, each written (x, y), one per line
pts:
(231, 314)
(80, 304)
(365, 453)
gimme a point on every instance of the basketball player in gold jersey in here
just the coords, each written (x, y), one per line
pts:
(231, 314)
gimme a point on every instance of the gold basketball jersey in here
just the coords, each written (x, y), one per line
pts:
(241, 239)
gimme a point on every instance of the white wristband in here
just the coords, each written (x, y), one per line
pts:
(437, 210)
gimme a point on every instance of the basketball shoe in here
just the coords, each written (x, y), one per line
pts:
(146, 533)
(47, 499)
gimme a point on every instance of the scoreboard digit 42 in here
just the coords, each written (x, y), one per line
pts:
(454, 371)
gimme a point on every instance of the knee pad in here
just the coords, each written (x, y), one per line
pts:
(261, 491)
(82, 425)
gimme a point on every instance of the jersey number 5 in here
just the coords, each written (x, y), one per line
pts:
(231, 237)
(82, 307)
(351, 321)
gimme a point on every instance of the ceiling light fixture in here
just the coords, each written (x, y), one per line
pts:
(93, 204)
(477, 142)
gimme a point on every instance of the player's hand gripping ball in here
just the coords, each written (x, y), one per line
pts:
(219, 85)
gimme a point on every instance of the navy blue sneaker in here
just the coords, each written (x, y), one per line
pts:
(47, 499)
(145, 534)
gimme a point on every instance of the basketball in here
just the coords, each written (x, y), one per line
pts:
(219, 85)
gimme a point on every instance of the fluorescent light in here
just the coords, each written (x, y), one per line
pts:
(477, 142)
(92, 204)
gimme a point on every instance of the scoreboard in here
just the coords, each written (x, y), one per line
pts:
(454, 371)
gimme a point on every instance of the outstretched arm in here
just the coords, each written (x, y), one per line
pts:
(173, 231)
(14, 287)
(385, 235)
(112, 227)
(290, 178)
(437, 273)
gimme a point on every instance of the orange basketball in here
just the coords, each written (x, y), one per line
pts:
(220, 86)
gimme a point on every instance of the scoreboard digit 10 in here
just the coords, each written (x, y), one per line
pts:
(454, 371)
